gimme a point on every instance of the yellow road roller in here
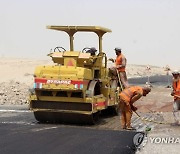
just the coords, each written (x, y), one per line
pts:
(78, 86)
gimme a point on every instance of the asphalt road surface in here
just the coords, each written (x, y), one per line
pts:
(21, 133)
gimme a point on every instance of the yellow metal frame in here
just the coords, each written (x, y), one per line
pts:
(71, 30)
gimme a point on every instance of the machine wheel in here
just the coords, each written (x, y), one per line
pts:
(62, 117)
(45, 117)
(94, 88)
(94, 118)
(57, 117)
(111, 111)
(115, 110)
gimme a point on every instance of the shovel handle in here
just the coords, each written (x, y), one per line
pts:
(119, 80)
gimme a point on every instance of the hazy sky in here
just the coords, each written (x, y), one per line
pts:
(147, 31)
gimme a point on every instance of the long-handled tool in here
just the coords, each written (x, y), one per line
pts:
(121, 86)
(147, 127)
(143, 119)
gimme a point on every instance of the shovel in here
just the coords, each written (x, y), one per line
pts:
(147, 127)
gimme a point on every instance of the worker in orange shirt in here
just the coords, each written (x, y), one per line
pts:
(127, 97)
(176, 94)
(121, 66)
(119, 69)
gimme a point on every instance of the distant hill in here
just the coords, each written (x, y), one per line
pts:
(134, 70)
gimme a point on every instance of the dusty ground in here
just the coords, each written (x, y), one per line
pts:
(17, 78)
(159, 103)
(158, 100)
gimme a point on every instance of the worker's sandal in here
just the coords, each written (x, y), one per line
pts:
(130, 128)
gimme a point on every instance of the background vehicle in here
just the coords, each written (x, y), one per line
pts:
(78, 87)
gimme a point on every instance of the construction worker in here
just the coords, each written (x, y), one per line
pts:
(176, 94)
(127, 97)
(92, 51)
(120, 65)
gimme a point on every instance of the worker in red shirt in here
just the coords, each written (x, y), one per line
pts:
(176, 94)
(127, 98)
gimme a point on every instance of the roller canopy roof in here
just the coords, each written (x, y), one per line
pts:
(71, 30)
(74, 29)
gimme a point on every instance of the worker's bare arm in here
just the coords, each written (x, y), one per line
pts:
(123, 62)
(119, 66)
(135, 97)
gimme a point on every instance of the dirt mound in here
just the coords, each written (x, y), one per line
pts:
(15, 93)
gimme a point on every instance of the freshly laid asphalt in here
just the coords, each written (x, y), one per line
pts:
(21, 133)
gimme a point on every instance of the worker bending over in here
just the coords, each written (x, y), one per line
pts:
(127, 97)
(176, 94)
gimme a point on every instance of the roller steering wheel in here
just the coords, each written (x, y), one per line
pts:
(85, 49)
(60, 49)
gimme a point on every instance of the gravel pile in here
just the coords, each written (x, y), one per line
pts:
(14, 93)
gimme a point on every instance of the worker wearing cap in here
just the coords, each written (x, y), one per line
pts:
(121, 66)
(176, 94)
(127, 98)
(92, 51)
